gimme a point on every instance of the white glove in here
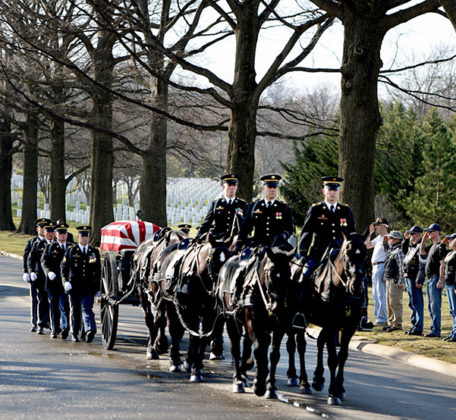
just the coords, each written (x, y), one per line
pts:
(67, 286)
(33, 276)
(26, 277)
(51, 275)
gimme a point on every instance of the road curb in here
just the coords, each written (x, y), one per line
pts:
(7, 254)
(367, 345)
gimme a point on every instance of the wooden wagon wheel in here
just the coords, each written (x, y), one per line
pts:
(109, 310)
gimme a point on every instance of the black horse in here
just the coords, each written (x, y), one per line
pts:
(266, 310)
(194, 297)
(334, 302)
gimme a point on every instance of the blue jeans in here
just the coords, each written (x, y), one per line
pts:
(416, 304)
(379, 293)
(452, 304)
(434, 297)
(84, 304)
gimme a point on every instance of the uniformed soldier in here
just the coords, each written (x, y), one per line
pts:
(38, 277)
(58, 300)
(268, 216)
(40, 223)
(323, 227)
(81, 274)
(219, 218)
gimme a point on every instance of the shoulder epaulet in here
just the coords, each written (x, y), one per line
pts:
(344, 205)
(317, 204)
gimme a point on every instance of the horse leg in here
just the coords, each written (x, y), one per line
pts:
(161, 341)
(247, 362)
(176, 332)
(318, 379)
(334, 394)
(304, 386)
(261, 341)
(274, 358)
(291, 372)
(342, 358)
(149, 320)
(235, 347)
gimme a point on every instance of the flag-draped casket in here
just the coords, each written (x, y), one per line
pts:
(126, 234)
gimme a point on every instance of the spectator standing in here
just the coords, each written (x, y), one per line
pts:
(380, 226)
(449, 276)
(394, 277)
(434, 276)
(414, 278)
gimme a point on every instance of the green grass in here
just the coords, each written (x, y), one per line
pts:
(14, 243)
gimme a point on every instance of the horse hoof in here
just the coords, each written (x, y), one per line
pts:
(334, 401)
(196, 377)
(249, 364)
(305, 389)
(152, 355)
(259, 390)
(188, 366)
(293, 382)
(238, 387)
(246, 381)
(271, 394)
(317, 386)
(175, 368)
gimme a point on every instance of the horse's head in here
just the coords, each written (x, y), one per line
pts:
(353, 255)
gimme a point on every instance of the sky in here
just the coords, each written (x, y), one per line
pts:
(417, 38)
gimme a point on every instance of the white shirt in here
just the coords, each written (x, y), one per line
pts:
(329, 205)
(379, 254)
(84, 249)
(266, 202)
(62, 244)
(229, 200)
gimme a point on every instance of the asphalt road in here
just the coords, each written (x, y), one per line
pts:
(43, 378)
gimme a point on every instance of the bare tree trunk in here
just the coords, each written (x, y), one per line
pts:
(242, 128)
(450, 9)
(101, 200)
(29, 190)
(153, 178)
(6, 170)
(360, 116)
(57, 177)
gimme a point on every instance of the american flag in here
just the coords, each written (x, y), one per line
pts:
(126, 234)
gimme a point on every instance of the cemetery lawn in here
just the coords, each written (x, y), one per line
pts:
(14, 243)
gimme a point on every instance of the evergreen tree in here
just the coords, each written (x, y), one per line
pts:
(399, 154)
(432, 198)
(302, 186)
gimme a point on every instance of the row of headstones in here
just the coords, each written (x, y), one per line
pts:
(187, 201)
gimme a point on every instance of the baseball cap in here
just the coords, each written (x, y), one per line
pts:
(395, 234)
(381, 221)
(415, 229)
(433, 228)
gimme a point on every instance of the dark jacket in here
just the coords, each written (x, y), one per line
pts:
(28, 248)
(450, 268)
(323, 228)
(411, 259)
(394, 265)
(50, 261)
(220, 217)
(267, 222)
(82, 271)
(34, 263)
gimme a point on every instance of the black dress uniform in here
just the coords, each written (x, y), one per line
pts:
(323, 227)
(267, 220)
(50, 261)
(33, 292)
(34, 267)
(221, 215)
(83, 271)
(219, 218)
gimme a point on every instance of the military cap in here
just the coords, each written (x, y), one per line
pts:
(61, 228)
(395, 234)
(42, 222)
(433, 227)
(230, 179)
(381, 221)
(271, 180)
(49, 227)
(415, 229)
(332, 182)
(184, 227)
(84, 230)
